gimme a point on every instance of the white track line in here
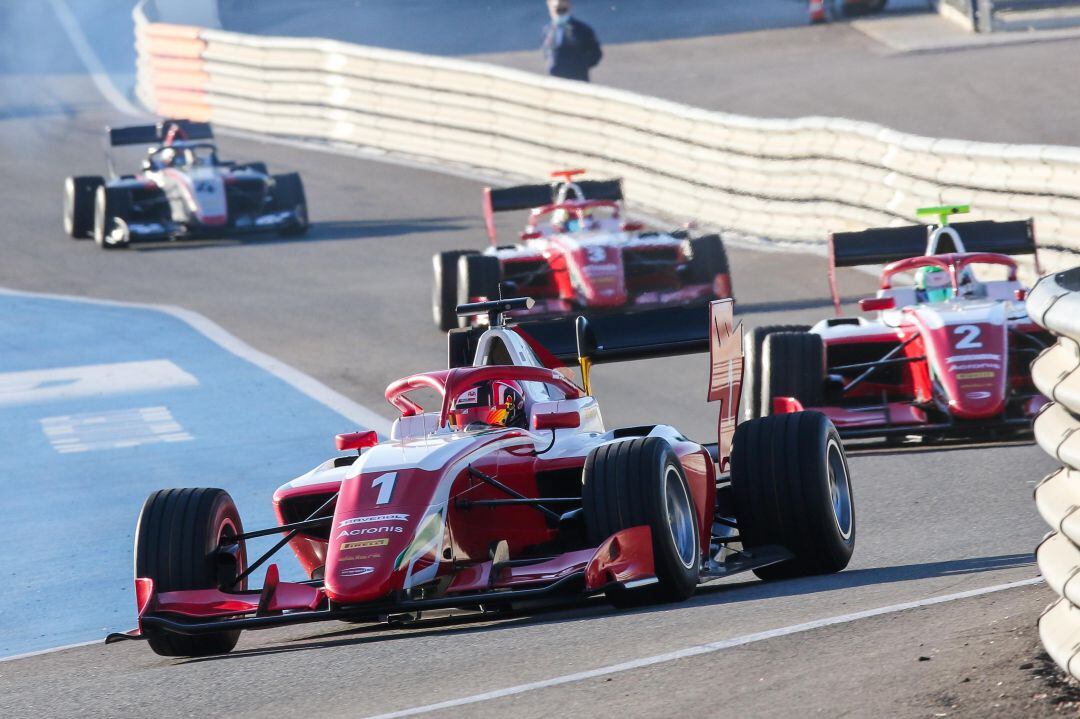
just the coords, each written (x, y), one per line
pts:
(39, 652)
(308, 385)
(89, 58)
(703, 649)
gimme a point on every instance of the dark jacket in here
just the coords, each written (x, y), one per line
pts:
(572, 55)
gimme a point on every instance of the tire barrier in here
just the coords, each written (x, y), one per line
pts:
(1055, 304)
(786, 180)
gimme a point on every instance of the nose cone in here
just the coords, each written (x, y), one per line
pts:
(361, 555)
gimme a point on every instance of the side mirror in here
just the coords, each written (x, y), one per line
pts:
(557, 420)
(356, 440)
(876, 304)
(632, 226)
(531, 235)
(1020, 294)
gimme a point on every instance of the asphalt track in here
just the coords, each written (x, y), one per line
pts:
(349, 306)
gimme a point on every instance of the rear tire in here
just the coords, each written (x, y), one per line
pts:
(289, 197)
(444, 288)
(477, 276)
(751, 388)
(709, 264)
(112, 208)
(793, 365)
(178, 531)
(636, 482)
(79, 193)
(791, 486)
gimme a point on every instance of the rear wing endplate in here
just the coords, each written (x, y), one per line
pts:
(881, 245)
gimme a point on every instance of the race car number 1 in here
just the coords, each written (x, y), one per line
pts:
(385, 483)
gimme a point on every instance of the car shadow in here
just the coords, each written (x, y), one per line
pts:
(715, 594)
(883, 449)
(334, 230)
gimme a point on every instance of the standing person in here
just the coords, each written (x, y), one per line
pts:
(570, 46)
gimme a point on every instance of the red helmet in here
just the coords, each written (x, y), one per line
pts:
(495, 403)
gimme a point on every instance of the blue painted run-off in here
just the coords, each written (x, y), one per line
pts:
(71, 498)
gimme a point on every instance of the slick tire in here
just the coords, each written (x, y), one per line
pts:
(79, 195)
(750, 407)
(444, 288)
(709, 264)
(477, 276)
(635, 482)
(112, 208)
(289, 196)
(791, 487)
(175, 542)
(792, 365)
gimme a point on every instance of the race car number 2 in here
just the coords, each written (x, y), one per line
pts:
(970, 338)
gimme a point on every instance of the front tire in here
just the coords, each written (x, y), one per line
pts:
(752, 345)
(112, 208)
(289, 197)
(709, 264)
(793, 365)
(444, 288)
(175, 542)
(636, 482)
(791, 486)
(79, 194)
(477, 276)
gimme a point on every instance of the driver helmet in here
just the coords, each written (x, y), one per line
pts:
(934, 283)
(168, 157)
(584, 220)
(497, 403)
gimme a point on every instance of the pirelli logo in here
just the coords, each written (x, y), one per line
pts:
(974, 375)
(345, 546)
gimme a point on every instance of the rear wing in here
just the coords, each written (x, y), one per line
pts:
(650, 334)
(526, 197)
(881, 245)
(154, 134)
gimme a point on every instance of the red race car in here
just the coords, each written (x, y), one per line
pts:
(509, 488)
(946, 355)
(579, 254)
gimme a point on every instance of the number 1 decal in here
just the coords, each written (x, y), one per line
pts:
(970, 340)
(385, 483)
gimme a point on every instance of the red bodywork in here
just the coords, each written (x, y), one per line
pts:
(956, 366)
(413, 522)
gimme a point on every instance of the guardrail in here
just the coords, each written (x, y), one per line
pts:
(787, 180)
(1055, 304)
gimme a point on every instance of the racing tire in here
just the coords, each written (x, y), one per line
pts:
(289, 196)
(175, 539)
(477, 276)
(79, 194)
(112, 208)
(791, 487)
(709, 264)
(792, 365)
(750, 407)
(638, 482)
(444, 288)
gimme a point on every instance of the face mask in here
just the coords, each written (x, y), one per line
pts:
(562, 19)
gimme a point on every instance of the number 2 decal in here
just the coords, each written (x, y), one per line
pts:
(970, 340)
(385, 483)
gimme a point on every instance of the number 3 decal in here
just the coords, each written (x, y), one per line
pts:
(385, 483)
(970, 340)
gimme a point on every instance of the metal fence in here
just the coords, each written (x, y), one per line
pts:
(1055, 304)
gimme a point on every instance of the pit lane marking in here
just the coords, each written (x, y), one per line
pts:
(115, 429)
(700, 649)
